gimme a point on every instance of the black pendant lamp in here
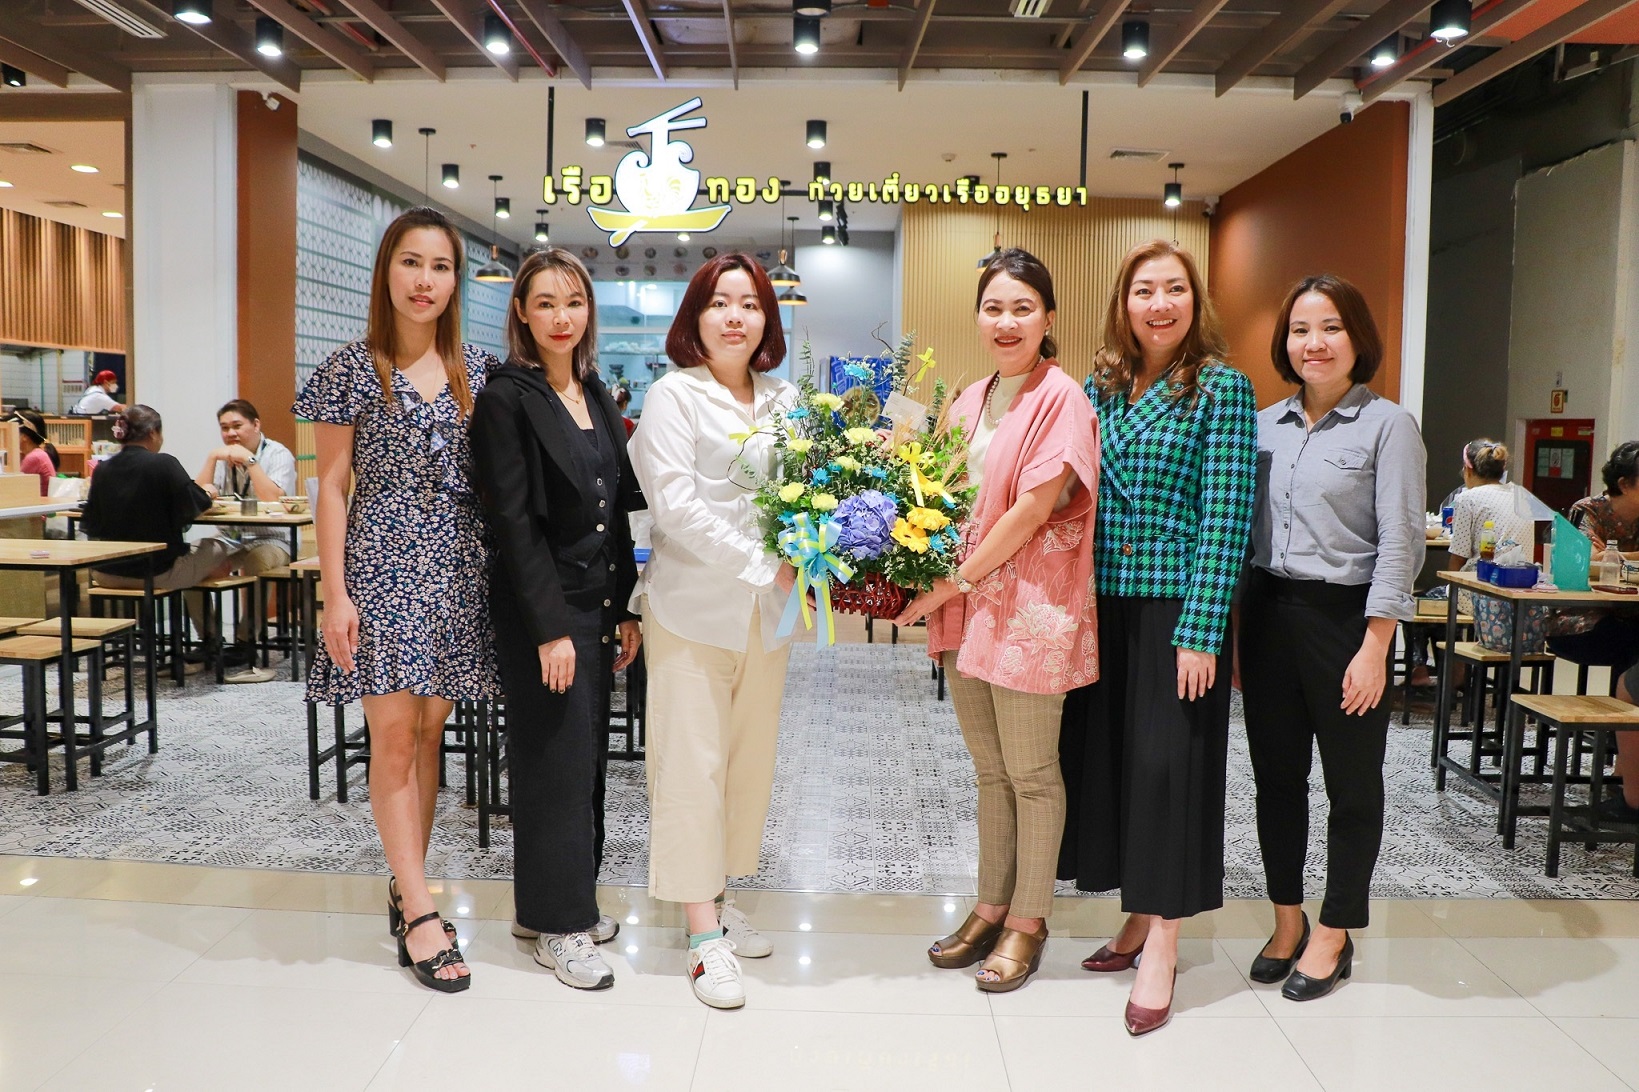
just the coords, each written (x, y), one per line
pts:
(996, 250)
(782, 275)
(494, 271)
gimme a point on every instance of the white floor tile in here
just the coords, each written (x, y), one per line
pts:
(828, 972)
(191, 1037)
(1350, 1055)
(117, 939)
(310, 951)
(1567, 976)
(803, 1051)
(1208, 985)
(467, 1042)
(1222, 1055)
(8, 903)
(46, 1020)
(648, 967)
(1611, 1041)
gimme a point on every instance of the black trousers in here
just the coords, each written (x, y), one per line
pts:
(556, 758)
(1297, 638)
(1144, 770)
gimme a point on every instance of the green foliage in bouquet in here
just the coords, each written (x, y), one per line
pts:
(892, 489)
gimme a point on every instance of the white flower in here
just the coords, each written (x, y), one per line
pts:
(1045, 624)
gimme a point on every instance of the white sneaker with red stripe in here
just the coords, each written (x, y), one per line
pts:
(715, 974)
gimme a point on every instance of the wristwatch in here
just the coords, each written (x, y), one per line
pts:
(963, 584)
(251, 461)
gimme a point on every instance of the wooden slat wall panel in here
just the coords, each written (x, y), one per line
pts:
(1082, 248)
(61, 287)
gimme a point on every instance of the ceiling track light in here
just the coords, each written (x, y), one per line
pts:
(827, 210)
(595, 130)
(815, 9)
(12, 76)
(805, 34)
(822, 171)
(193, 12)
(452, 176)
(1450, 20)
(1173, 194)
(543, 230)
(828, 235)
(381, 133)
(1386, 52)
(816, 134)
(996, 247)
(503, 207)
(1135, 39)
(497, 35)
(270, 37)
(494, 271)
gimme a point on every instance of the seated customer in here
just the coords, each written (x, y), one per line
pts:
(141, 495)
(38, 455)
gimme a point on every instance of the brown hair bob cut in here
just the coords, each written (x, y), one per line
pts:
(1357, 323)
(520, 341)
(380, 331)
(683, 344)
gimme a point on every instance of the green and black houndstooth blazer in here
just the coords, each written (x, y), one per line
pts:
(1175, 492)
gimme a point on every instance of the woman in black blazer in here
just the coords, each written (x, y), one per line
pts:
(550, 452)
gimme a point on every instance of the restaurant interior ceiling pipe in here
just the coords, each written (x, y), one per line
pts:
(381, 132)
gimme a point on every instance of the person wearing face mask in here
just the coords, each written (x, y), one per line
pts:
(404, 567)
(99, 396)
(711, 598)
(1144, 750)
(550, 457)
(1016, 628)
(1337, 539)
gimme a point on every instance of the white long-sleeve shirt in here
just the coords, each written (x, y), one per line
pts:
(708, 568)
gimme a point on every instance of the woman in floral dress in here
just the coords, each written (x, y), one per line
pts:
(1016, 628)
(406, 624)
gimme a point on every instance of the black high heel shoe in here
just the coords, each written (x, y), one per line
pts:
(395, 913)
(1300, 987)
(426, 970)
(1268, 969)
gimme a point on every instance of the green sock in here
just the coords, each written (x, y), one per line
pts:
(697, 939)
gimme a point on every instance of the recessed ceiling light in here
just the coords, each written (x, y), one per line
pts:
(112, 215)
(84, 168)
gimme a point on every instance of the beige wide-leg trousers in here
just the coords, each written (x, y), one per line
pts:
(713, 721)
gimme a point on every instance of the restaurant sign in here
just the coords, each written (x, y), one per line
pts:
(659, 191)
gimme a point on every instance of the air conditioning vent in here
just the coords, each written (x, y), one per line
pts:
(24, 147)
(121, 18)
(1138, 153)
(65, 204)
(1025, 9)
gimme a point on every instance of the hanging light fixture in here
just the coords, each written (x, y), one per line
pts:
(193, 12)
(594, 132)
(822, 171)
(427, 132)
(827, 211)
(782, 275)
(813, 8)
(381, 133)
(543, 231)
(816, 134)
(13, 77)
(452, 176)
(996, 250)
(682, 236)
(497, 36)
(1173, 195)
(805, 34)
(494, 271)
(270, 37)
(1387, 52)
(1135, 39)
(1449, 20)
(828, 235)
(503, 207)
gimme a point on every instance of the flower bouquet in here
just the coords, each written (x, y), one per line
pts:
(868, 500)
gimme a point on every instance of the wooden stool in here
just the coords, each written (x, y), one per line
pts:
(164, 633)
(1430, 612)
(284, 620)
(244, 587)
(33, 655)
(1570, 715)
(116, 633)
(349, 749)
(1485, 662)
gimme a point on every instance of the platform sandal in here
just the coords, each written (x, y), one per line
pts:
(395, 913)
(969, 944)
(426, 971)
(1014, 958)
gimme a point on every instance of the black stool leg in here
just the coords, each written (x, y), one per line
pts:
(35, 716)
(341, 753)
(1556, 801)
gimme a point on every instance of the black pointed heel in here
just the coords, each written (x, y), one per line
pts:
(1300, 987)
(1268, 969)
(426, 970)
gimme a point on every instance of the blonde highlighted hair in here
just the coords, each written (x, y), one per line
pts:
(1116, 362)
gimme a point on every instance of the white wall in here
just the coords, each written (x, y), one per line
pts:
(850, 292)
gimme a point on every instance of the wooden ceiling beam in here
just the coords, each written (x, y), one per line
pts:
(639, 15)
(239, 43)
(1546, 37)
(347, 55)
(1198, 18)
(34, 64)
(1091, 34)
(28, 34)
(1285, 30)
(558, 37)
(50, 106)
(378, 20)
(468, 17)
(907, 60)
(1429, 52)
(733, 46)
(1385, 21)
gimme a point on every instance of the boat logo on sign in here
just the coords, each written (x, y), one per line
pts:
(656, 186)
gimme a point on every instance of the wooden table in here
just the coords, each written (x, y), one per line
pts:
(232, 518)
(44, 508)
(1519, 599)
(67, 558)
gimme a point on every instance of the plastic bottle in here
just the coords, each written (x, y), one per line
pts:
(1488, 540)
(1610, 565)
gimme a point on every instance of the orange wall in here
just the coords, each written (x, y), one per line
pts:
(1336, 205)
(267, 262)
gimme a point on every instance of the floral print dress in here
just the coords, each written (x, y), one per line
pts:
(417, 563)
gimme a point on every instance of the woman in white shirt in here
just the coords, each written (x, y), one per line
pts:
(1487, 500)
(711, 597)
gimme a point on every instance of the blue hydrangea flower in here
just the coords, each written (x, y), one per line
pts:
(865, 524)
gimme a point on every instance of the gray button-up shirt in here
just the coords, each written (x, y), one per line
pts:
(1343, 502)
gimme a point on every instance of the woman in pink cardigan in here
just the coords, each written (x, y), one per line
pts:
(1016, 628)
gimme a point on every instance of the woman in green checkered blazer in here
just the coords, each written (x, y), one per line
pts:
(1144, 749)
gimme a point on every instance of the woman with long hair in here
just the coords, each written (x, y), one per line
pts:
(549, 451)
(1015, 629)
(711, 597)
(1337, 539)
(1144, 749)
(404, 568)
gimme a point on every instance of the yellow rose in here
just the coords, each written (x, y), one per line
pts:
(861, 435)
(912, 538)
(928, 519)
(823, 502)
(848, 463)
(826, 401)
(799, 444)
(789, 493)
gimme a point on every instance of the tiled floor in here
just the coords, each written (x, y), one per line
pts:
(134, 976)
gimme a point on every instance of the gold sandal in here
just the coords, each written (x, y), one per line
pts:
(969, 944)
(1014, 958)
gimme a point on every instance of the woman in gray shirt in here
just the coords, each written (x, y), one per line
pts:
(1337, 538)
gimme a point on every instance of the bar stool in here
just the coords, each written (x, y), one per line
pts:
(281, 629)
(1485, 664)
(244, 589)
(116, 635)
(1568, 715)
(348, 749)
(168, 628)
(33, 655)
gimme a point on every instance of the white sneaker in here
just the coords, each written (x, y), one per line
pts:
(604, 931)
(575, 960)
(715, 974)
(747, 941)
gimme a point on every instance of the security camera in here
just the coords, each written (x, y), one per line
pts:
(270, 101)
(1349, 105)
(1209, 207)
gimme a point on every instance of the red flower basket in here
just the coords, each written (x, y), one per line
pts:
(872, 595)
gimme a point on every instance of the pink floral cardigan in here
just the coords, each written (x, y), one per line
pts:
(1031, 625)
